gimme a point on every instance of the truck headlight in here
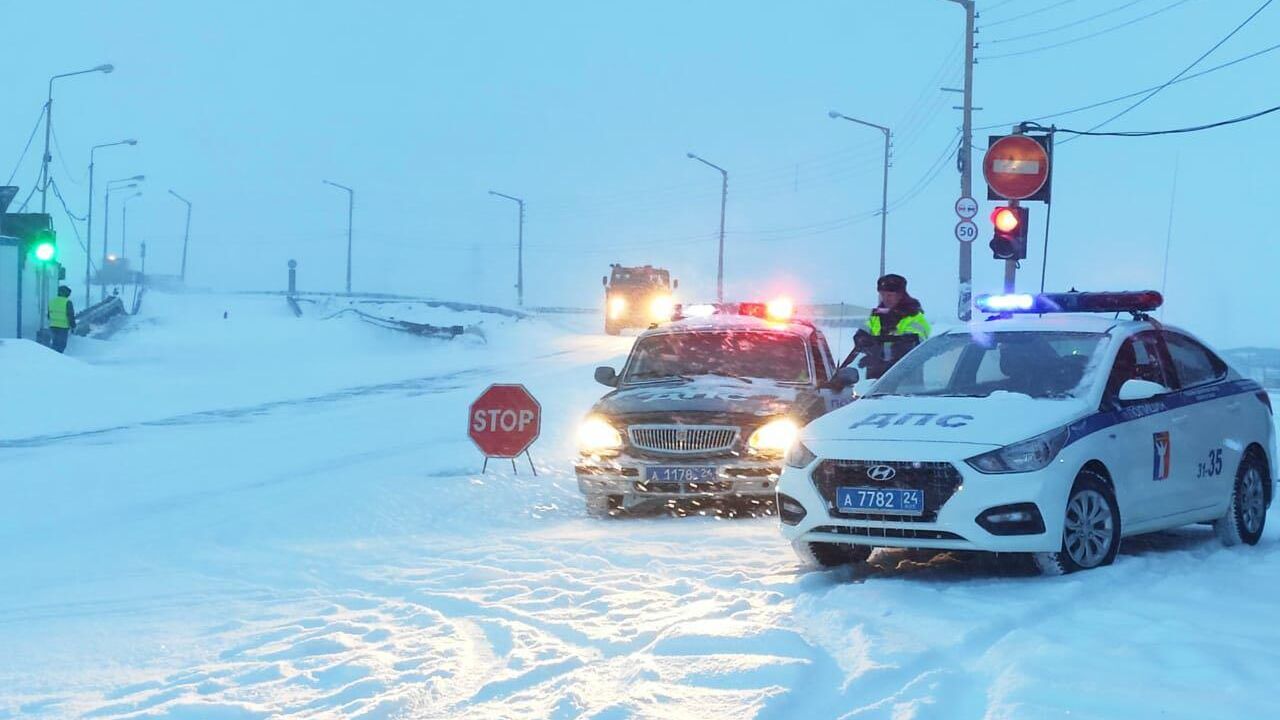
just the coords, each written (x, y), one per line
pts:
(774, 437)
(596, 435)
(617, 306)
(1026, 456)
(662, 307)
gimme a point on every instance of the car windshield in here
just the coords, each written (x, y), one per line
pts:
(1038, 364)
(741, 354)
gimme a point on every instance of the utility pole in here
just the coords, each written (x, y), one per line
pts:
(351, 209)
(186, 236)
(964, 308)
(88, 240)
(519, 248)
(884, 187)
(724, 199)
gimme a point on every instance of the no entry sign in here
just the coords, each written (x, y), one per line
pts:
(504, 421)
(1016, 167)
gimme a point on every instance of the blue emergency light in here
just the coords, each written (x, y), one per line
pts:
(1071, 302)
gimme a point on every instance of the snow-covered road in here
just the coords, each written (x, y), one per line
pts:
(267, 517)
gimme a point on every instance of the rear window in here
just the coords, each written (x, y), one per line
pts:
(1194, 363)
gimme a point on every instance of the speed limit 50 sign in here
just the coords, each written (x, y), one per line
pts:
(966, 231)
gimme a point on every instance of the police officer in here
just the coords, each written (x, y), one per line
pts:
(62, 317)
(896, 325)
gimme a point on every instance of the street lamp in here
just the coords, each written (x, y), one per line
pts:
(124, 224)
(519, 248)
(884, 190)
(48, 128)
(89, 217)
(186, 235)
(128, 183)
(724, 197)
(351, 208)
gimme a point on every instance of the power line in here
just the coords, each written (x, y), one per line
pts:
(1091, 35)
(1185, 70)
(23, 156)
(1037, 11)
(997, 6)
(1038, 33)
(58, 193)
(1149, 133)
(1136, 93)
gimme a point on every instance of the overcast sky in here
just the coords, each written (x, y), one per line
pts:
(586, 110)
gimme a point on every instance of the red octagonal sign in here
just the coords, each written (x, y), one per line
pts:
(1016, 167)
(504, 421)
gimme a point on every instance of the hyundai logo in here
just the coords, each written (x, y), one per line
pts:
(881, 473)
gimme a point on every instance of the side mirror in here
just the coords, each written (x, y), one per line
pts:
(1134, 390)
(675, 284)
(845, 377)
(606, 375)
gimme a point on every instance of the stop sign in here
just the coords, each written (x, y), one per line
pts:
(1016, 167)
(504, 421)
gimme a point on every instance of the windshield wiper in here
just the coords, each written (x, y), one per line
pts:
(730, 375)
(660, 378)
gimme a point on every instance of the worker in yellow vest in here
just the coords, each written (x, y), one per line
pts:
(896, 326)
(62, 318)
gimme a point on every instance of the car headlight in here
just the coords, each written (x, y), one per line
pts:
(774, 437)
(800, 456)
(662, 307)
(596, 435)
(1026, 456)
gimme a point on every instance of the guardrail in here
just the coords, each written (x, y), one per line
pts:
(98, 314)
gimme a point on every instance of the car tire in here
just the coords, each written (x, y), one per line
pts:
(829, 555)
(1247, 514)
(1091, 533)
(600, 505)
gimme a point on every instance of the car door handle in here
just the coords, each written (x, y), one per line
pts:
(1179, 419)
(1234, 406)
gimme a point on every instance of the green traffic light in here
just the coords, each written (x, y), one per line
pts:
(46, 251)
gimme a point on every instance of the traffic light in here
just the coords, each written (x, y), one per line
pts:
(44, 246)
(1010, 239)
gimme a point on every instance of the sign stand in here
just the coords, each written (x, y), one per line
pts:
(534, 470)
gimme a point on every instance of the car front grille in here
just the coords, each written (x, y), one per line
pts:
(938, 480)
(895, 533)
(683, 439)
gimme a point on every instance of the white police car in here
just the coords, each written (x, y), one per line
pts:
(1038, 432)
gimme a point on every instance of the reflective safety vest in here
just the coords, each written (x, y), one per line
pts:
(58, 313)
(909, 325)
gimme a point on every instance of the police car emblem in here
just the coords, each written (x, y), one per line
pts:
(881, 473)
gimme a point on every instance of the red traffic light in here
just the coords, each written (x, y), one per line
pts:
(1005, 219)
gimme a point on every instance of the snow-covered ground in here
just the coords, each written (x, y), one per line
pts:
(261, 516)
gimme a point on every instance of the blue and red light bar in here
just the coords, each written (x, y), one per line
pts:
(776, 310)
(1070, 302)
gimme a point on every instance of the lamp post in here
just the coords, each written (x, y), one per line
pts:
(48, 129)
(186, 235)
(88, 243)
(124, 224)
(351, 207)
(884, 189)
(724, 197)
(519, 248)
(121, 184)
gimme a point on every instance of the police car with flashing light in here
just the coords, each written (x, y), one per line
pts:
(1045, 430)
(706, 406)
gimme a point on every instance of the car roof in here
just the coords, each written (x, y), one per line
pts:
(737, 323)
